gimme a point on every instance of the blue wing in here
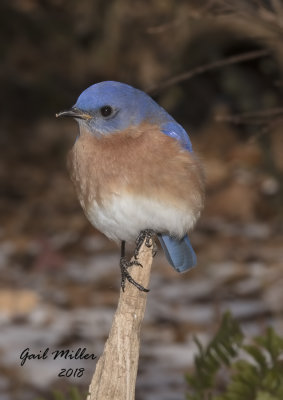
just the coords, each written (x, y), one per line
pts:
(176, 131)
(179, 253)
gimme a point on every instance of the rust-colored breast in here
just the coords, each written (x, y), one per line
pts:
(141, 161)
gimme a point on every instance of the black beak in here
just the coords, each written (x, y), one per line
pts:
(74, 113)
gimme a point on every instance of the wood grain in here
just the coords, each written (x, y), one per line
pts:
(116, 370)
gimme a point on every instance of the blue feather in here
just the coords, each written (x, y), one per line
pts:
(176, 131)
(179, 253)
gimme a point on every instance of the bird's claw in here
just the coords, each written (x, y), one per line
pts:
(124, 265)
(146, 235)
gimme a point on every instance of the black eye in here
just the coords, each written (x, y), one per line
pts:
(106, 111)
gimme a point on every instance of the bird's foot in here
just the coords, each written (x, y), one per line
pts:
(146, 235)
(124, 265)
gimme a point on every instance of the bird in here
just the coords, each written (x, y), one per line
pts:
(135, 173)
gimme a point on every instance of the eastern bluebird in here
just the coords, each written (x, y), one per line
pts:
(135, 172)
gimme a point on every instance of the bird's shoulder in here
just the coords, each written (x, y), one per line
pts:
(177, 132)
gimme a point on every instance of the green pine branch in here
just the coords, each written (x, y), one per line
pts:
(255, 371)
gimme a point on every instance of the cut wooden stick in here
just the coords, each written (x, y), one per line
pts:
(116, 370)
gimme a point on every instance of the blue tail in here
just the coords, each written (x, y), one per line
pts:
(179, 253)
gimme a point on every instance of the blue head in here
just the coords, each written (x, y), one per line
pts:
(111, 106)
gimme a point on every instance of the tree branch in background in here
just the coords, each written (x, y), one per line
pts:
(253, 117)
(116, 370)
(251, 55)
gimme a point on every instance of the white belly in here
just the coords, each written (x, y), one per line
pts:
(123, 217)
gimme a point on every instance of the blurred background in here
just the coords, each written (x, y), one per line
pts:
(59, 277)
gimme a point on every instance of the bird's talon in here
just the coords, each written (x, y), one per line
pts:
(146, 235)
(124, 265)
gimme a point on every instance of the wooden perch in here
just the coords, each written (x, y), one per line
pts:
(116, 370)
